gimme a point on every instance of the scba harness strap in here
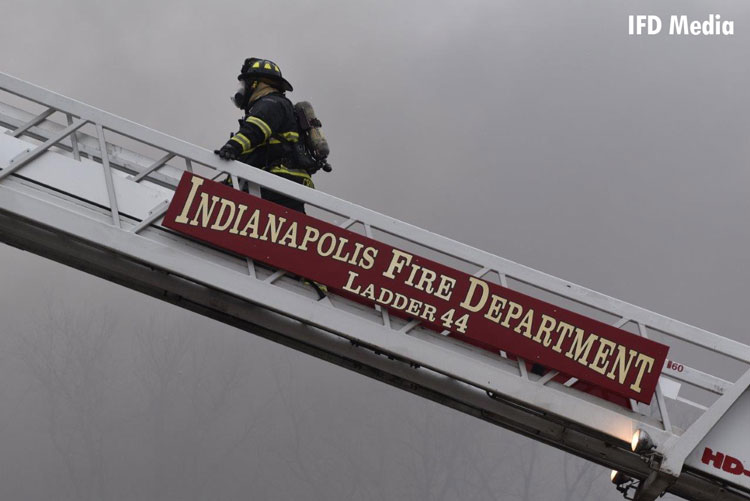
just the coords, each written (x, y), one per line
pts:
(298, 145)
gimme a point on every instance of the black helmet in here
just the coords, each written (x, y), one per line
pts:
(263, 69)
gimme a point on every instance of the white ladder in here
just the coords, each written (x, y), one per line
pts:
(89, 189)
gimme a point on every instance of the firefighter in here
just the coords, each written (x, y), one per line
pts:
(269, 136)
(269, 133)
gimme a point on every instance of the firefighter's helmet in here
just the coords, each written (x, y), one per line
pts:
(263, 69)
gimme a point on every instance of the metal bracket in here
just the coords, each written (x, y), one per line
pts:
(19, 156)
(654, 486)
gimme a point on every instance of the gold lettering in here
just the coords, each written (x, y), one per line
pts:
(646, 363)
(412, 275)
(252, 223)
(622, 364)
(218, 226)
(321, 243)
(357, 249)
(494, 312)
(290, 237)
(398, 261)
(182, 218)
(514, 313)
(204, 211)
(445, 288)
(273, 227)
(579, 350)
(369, 292)
(565, 329)
(337, 256)
(429, 313)
(311, 235)
(414, 306)
(237, 220)
(349, 286)
(426, 280)
(400, 302)
(466, 303)
(606, 348)
(525, 324)
(385, 293)
(548, 324)
(368, 258)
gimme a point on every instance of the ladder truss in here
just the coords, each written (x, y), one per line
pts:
(89, 189)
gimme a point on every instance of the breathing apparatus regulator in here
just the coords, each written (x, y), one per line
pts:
(242, 95)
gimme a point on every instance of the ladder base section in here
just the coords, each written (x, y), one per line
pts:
(552, 430)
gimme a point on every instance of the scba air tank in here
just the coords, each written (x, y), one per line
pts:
(311, 127)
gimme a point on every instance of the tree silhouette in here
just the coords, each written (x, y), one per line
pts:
(67, 353)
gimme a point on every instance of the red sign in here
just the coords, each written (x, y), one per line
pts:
(475, 311)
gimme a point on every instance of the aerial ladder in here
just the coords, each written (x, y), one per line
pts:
(91, 190)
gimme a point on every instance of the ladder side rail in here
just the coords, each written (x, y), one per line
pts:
(335, 349)
(694, 335)
(676, 446)
(234, 311)
(136, 132)
(145, 250)
(439, 354)
(104, 158)
(156, 217)
(129, 162)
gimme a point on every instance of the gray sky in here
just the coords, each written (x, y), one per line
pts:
(536, 130)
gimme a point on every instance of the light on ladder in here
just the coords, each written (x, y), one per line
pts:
(641, 442)
(619, 478)
(623, 482)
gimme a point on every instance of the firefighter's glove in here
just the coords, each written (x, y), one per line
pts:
(229, 151)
